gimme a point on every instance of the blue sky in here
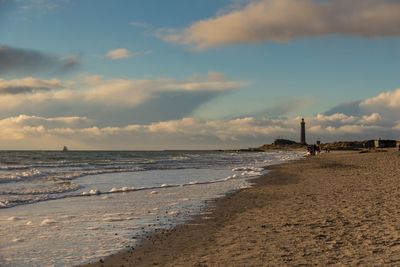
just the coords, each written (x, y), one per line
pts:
(272, 67)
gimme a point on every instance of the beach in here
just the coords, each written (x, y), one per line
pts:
(339, 208)
(189, 133)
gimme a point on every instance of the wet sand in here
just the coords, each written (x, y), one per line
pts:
(334, 209)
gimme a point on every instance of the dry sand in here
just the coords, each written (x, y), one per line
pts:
(334, 209)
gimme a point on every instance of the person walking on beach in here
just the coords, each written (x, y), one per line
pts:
(315, 149)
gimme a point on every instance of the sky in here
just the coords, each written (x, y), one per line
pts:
(209, 74)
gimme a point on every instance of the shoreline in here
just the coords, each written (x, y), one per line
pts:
(122, 258)
(337, 208)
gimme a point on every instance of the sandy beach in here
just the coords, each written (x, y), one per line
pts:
(340, 208)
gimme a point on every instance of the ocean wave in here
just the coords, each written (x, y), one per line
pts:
(248, 169)
(54, 179)
(18, 176)
(57, 188)
(30, 197)
(15, 167)
(44, 165)
(65, 175)
(180, 158)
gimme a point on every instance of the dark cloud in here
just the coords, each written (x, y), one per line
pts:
(26, 61)
(350, 108)
(280, 109)
(167, 106)
(15, 90)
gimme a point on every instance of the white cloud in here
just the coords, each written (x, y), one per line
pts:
(371, 119)
(389, 99)
(337, 117)
(23, 125)
(71, 121)
(387, 104)
(119, 53)
(286, 20)
(344, 130)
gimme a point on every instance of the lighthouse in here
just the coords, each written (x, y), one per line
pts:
(303, 132)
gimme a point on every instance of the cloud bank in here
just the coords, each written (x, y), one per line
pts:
(113, 101)
(287, 20)
(97, 103)
(187, 133)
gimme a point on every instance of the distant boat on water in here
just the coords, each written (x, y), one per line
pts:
(65, 149)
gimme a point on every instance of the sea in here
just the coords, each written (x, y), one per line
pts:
(75, 207)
